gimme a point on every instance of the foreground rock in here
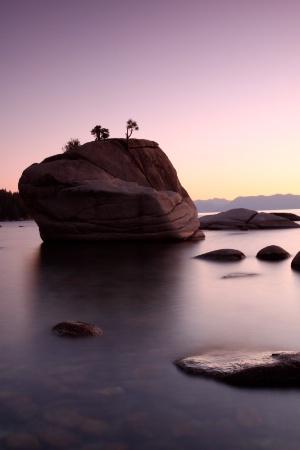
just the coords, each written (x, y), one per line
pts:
(76, 329)
(104, 190)
(261, 369)
(272, 253)
(245, 219)
(224, 254)
(296, 262)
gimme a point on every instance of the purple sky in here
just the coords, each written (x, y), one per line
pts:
(215, 82)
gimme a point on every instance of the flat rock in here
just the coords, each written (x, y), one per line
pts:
(296, 262)
(239, 275)
(253, 369)
(272, 253)
(243, 219)
(75, 329)
(224, 254)
(105, 190)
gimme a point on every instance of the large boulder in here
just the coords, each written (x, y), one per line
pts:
(244, 219)
(105, 190)
(252, 369)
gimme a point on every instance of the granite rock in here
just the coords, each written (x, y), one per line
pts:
(253, 369)
(105, 190)
(245, 219)
(272, 253)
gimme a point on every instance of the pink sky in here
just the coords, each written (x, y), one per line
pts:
(215, 82)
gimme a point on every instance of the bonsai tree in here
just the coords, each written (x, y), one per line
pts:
(71, 145)
(131, 126)
(100, 133)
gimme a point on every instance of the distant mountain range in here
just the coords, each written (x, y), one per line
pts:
(258, 203)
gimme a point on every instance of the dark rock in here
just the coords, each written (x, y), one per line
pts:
(296, 262)
(225, 254)
(74, 329)
(260, 369)
(269, 221)
(272, 253)
(244, 219)
(104, 190)
(289, 216)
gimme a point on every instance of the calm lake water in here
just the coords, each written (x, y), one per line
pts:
(155, 303)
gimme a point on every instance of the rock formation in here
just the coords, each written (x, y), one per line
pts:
(75, 329)
(245, 219)
(255, 369)
(296, 262)
(272, 253)
(224, 254)
(104, 190)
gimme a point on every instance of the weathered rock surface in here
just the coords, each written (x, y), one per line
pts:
(272, 253)
(255, 369)
(245, 219)
(104, 190)
(75, 329)
(224, 254)
(296, 262)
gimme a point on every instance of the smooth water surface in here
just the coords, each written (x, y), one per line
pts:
(155, 303)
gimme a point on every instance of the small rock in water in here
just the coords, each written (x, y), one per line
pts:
(74, 329)
(272, 253)
(253, 369)
(296, 262)
(224, 254)
(239, 275)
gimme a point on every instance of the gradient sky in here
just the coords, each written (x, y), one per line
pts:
(215, 82)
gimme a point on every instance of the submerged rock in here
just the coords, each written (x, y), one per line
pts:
(225, 254)
(296, 262)
(75, 329)
(272, 253)
(255, 369)
(239, 275)
(105, 190)
(245, 219)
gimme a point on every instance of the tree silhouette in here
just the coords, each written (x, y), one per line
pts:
(131, 126)
(71, 145)
(100, 133)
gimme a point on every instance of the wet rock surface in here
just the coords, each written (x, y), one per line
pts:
(75, 329)
(255, 369)
(239, 275)
(245, 219)
(225, 254)
(273, 253)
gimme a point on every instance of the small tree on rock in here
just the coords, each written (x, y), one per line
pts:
(71, 145)
(131, 126)
(100, 133)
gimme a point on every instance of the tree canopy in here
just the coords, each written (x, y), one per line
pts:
(131, 126)
(71, 145)
(12, 206)
(100, 133)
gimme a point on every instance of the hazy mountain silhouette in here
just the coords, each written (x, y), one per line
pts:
(259, 202)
